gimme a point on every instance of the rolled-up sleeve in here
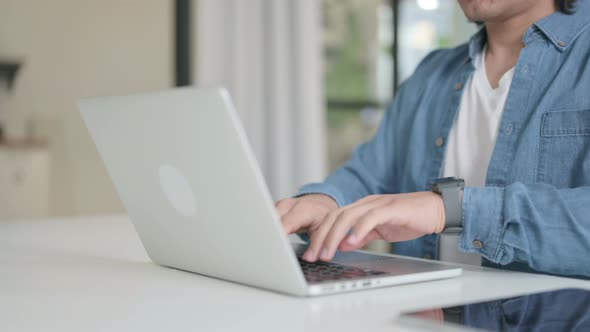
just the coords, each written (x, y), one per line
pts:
(540, 225)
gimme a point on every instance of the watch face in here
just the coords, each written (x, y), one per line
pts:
(450, 182)
(447, 179)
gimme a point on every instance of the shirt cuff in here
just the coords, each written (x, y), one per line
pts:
(325, 189)
(483, 222)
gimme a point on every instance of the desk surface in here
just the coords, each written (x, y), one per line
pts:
(92, 274)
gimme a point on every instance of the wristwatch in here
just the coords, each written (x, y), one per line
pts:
(451, 190)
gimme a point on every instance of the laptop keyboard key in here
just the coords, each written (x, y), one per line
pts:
(327, 271)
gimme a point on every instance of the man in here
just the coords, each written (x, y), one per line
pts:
(509, 113)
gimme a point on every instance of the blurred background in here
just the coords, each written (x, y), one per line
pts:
(310, 79)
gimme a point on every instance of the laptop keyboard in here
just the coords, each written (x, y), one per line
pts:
(326, 271)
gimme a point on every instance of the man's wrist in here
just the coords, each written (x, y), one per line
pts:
(441, 211)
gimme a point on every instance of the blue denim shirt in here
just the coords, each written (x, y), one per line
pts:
(534, 212)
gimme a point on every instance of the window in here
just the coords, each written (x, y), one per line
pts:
(364, 66)
(358, 39)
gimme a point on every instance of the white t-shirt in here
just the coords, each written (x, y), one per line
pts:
(472, 140)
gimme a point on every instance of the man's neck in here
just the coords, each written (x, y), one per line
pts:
(505, 39)
(505, 36)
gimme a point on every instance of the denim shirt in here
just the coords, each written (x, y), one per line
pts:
(534, 212)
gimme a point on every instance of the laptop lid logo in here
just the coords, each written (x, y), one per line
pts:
(178, 191)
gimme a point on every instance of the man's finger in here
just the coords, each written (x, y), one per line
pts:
(366, 224)
(296, 219)
(285, 206)
(345, 246)
(344, 222)
(314, 251)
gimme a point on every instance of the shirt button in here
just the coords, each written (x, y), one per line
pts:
(439, 142)
(458, 86)
(509, 129)
(561, 43)
(478, 244)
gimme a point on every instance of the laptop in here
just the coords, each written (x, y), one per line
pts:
(183, 168)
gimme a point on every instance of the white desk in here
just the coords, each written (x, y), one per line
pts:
(92, 274)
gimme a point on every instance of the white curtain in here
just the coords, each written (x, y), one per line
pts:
(268, 54)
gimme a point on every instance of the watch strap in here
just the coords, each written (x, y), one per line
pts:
(453, 202)
(451, 190)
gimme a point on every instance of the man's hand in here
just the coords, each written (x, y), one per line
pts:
(388, 217)
(304, 213)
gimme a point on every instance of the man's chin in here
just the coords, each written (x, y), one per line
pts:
(480, 13)
(482, 19)
(478, 22)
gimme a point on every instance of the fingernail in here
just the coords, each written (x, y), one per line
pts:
(308, 256)
(352, 239)
(325, 254)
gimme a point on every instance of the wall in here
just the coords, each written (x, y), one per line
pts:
(74, 49)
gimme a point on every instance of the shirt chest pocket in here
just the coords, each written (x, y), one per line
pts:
(564, 159)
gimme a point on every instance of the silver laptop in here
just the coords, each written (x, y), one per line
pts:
(182, 166)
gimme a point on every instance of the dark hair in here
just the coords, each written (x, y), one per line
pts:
(566, 6)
